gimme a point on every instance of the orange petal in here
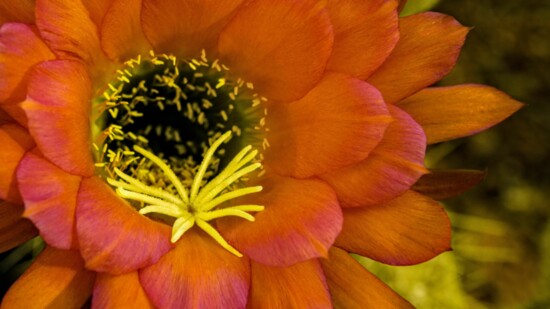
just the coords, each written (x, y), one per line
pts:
(443, 184)
(354, 287)
(122, 291)
(67, 28)
(14, 229)
(121, 25)
(298, 286)
(336, 124)
(50, 200)
(408, 230)
(57, 108)
(184, 28)
(114, 237)
(447, 113)
(198, 273)
(56, 279)
(300, 221)
(365, 32)
(401, 5)
(21, 11)
(391, 168)
(15, 143)
(427, 50)
(282, 46)
(20, 49)
(97, 9)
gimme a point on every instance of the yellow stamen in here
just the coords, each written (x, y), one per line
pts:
(199, 206)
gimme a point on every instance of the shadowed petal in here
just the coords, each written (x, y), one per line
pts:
(443, 184)
(50, 200)
(407, 230)
(198, 273)
(122, 291)
(21, 11)
(97, 9)
(56, 279)
(336, 124)
(391, 168)
(57, 108)
(354, 287)
(113, 236)
(14, 229)
(365, 33)
(122, 24)
(447, 113)
(185, 27)
(300, 221)
(15, 143)
(427, 50)
(270, 43)
(298, 286)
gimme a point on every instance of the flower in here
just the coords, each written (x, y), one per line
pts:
(230, 153)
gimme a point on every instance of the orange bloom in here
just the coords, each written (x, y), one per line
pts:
(129, 127)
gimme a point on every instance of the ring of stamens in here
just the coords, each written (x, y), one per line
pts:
(201, 204)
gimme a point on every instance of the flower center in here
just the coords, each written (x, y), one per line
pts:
(167, 126)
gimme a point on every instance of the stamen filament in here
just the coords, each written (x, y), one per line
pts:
(182, 225)
(175, 213)
(217, 237)
(144, 198)
(229, 196)
(134, 184)
(207, 216)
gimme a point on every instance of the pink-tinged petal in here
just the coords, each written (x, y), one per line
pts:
(185, 27)
(57, 108)
(443, 184)
(408, 230)
(298, 286)
(119, 291)
(300, 221)
(114, 237)
(121, 25)
(336, 124)
(14, 229)
(354, 287)
(97, 9)
(67, 28)
(21, 11)
(427, 50)
(365, 32)
(391, 168)
(447, 113)
(56, 279)
(20, 49)
(198, 273)
(281, 46)
(15, 143)
(50, 200)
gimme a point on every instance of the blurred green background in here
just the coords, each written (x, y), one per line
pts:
(501, 240)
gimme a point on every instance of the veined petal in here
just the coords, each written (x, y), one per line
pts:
(67, 28)
(336, 124)
(298, 286)
(57, 109)
(15, 143)
(20, 49)
(21, 11)
(352, 286)
(409, 229)
(50, 200)
(391, 168)
(270, 43)
(119, 291)
(198, 273)
(447, 113)
(365, 32)
(113, 237)
(97, 9)
(185, 27)
(122, 24)
(300, 221)
(14, 229)
(56, 279)
(427, 50)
